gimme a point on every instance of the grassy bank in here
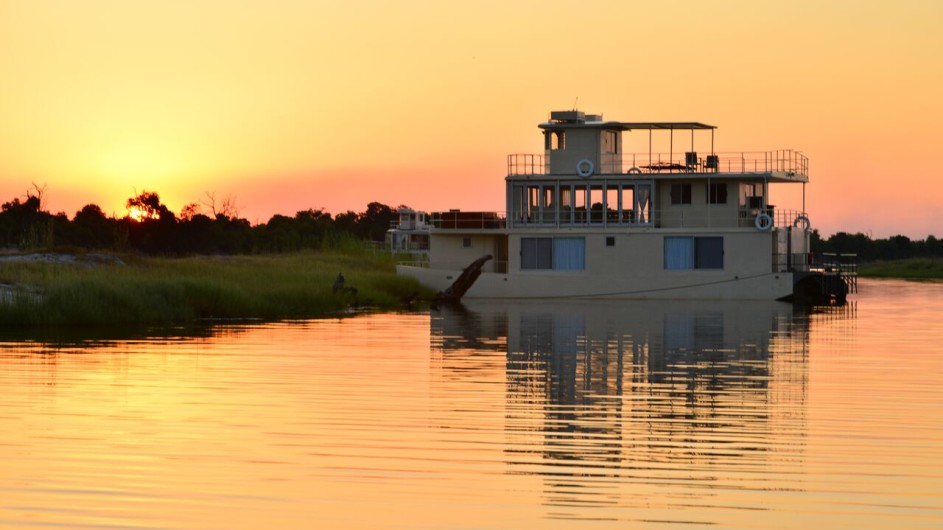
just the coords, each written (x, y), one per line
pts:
(156, 290)
(909, 269)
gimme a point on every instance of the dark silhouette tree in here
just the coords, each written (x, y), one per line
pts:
(92, 229)
(24, 224)
(375, 221)
(152, 227)
(147, 206)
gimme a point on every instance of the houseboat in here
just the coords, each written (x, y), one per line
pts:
(617, 209)
(409, 233)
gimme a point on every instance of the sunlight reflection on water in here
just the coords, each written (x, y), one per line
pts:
(614, 414)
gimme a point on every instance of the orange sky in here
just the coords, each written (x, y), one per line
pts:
(300, 104)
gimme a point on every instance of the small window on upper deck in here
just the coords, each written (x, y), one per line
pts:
(610, 142)
(717, 193)
(681, 193)
(556, 140)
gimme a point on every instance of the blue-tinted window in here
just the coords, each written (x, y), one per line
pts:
(688, 253)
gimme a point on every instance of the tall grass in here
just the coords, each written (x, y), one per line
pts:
(154, 290)
(910, 269)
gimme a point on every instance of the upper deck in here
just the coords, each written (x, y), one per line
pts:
(673, 179)
(785, 165)
(585, 146)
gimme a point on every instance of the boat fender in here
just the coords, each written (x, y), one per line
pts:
(763, 221)
(585, 167)
(802, 220)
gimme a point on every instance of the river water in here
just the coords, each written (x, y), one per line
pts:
(542, 415)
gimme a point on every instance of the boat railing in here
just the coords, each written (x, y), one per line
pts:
(456, 219)
(527, 164)
(780, 218)
(783, 161)
(755, 218)
(843, 265)
(746, 218)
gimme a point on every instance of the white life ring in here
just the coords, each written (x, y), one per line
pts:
(585, 167)
(634, 171)
(803, 220)
(763, 221)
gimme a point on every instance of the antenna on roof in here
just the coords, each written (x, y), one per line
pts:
(576, 103)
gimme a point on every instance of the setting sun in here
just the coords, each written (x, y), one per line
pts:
(138, 214)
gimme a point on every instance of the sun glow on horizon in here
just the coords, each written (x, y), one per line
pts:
(138, 214)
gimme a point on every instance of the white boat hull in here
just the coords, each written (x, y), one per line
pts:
(708, 285)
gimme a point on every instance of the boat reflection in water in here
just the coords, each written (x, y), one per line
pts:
(664, 406)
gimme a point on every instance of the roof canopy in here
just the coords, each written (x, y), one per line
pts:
(629, 125)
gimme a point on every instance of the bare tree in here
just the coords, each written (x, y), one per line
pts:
(39, 192)
(189, 211)
(227, 206)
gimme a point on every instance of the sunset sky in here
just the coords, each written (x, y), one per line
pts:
(294, 104)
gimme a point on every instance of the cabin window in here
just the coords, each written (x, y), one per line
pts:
(717, 193)
(610, 241)
(579, 204)
(548, 205)
(569, 253)
(536, 253)
(566, 204)
(466, 242)
(518, 204)
(555, 140)
(689, 253)
(553, 253)
(709, 252)
(593, 203)
(681, 193)
(612, 204)
(596, 205)
(626, 203)
(533, 203)
(751, 195)
(610, 142)
(643, 200)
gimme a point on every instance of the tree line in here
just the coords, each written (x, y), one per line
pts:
(209, 228)
(214, 227)
(867, 249)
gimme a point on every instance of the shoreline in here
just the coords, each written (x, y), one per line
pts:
(914, 269)
(54, 289)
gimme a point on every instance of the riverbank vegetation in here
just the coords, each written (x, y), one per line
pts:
(870, 250)
(138, 289)
(909, 269)
(203, 263)
(894, 257)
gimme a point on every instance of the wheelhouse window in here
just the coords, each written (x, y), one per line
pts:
(690, 253)
(555, 140)
(610, 142)
(680, 193)
(553, 253)
(717, 193)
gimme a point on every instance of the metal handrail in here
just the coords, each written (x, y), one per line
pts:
(786, 161)
(781, 218)
(469, 220)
